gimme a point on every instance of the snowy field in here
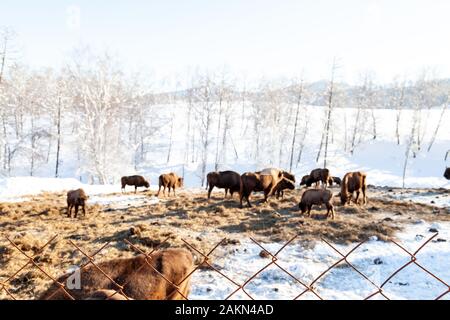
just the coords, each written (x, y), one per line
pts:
(375, 259)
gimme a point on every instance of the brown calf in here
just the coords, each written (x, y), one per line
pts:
(76, 198)
(353, 182)
(317, 197)
(170, 181)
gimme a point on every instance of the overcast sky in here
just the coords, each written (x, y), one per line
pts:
(253, 37)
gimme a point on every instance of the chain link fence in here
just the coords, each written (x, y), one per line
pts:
(204, 261)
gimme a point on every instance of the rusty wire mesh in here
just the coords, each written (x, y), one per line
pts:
(308, 286)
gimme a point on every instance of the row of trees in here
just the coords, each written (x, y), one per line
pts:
(92, 119)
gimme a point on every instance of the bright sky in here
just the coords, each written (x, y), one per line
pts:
(252, 37)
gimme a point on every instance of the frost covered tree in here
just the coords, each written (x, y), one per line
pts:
(99, 93)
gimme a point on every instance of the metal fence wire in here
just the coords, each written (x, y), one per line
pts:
(205, 260)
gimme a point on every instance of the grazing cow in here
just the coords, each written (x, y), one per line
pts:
(306, 181)
(447, 174)
(136, 181)
(276, 176)
(76, 198)
(353, 182)
(317, 197)
(334, 180)
(319, 175)
(228, 180)
(256, 181)
(284, 184)
(142, 278)
(170, 181)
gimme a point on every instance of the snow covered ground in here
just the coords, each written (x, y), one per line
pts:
(123, 201)
(430, 198)
(375, 259)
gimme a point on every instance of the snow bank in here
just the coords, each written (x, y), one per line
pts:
(11, 188)
(375, 259)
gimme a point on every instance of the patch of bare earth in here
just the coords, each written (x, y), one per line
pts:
(188, 217)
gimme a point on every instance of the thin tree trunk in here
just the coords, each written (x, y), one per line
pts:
(58, 144)
(433, 138)
(216, 163)
(294, 135)
(170, 140)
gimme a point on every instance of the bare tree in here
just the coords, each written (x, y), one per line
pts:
(297, 114)
(330, 108)
(445, 106)
(411, 143)
(204, 115)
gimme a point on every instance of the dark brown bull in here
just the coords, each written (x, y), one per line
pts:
(136, 181)
(228, 180)
(170, 181)
(319, 175)
(255, 181)
(447, 174)
(353, 182)
(317, 197)
(334, 180)
(76, 198)
(306, 181)
(142, 278)
(284, 185)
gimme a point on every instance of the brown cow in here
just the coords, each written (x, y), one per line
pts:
(447, 174)
(76, 198)
(228, 180)
(319, 175)
(276, 176)
(256, 181)
(171, 181)
(306, 180)
(334, 180)
(136, 181)
(143, 278)
(317, 197)
(353, 182)
(284, 185)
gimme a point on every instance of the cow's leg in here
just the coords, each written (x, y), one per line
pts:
(248, 200)
(174, 194)
(69, 211)
(364, 195)
(135, 189)
(330, 212)
(84, 210)
(309, 210)
(211, 187)
(357, 197)
(226, 192)
(76, 210)
(266, 196)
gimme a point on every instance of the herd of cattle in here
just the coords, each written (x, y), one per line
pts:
(270, 181)
(166, 275)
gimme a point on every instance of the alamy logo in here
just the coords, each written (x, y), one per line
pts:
(73, 282)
